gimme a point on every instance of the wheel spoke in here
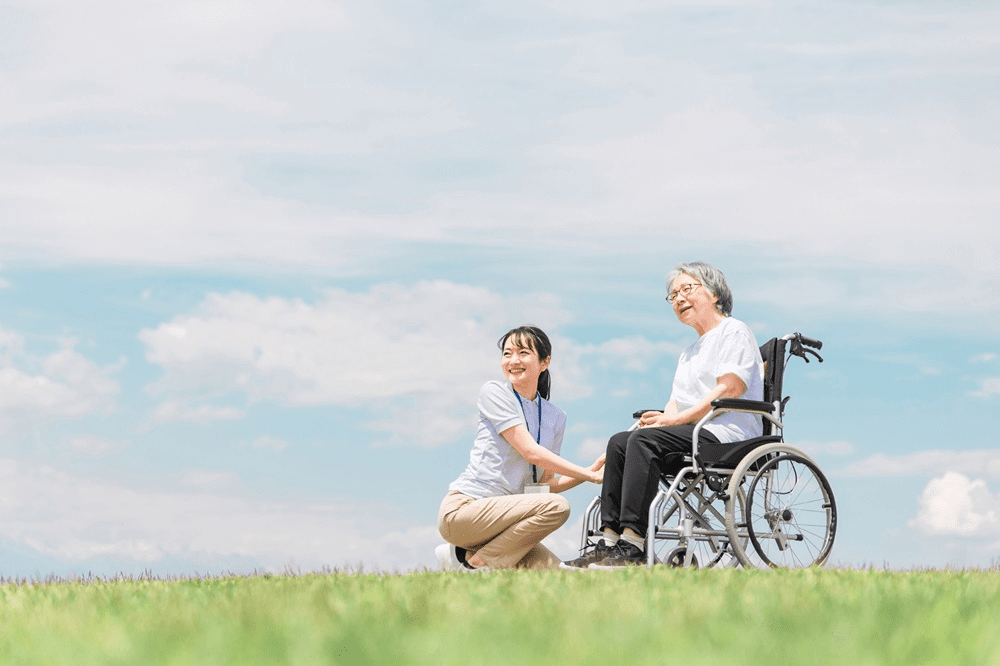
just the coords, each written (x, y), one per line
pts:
(790, 513)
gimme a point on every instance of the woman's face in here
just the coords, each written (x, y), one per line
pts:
(693, 302)
(521, 366)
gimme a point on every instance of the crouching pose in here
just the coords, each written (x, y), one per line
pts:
(724, 362)
(498, 510)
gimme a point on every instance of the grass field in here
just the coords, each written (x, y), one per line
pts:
(640, 616)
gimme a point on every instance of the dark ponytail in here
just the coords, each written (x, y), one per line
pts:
(533, 338)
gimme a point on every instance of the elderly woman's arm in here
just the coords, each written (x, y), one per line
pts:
(729, 386)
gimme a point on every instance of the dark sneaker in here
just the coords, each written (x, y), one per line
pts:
(592, 553)
(622, 554)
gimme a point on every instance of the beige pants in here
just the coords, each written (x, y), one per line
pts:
(504, 531)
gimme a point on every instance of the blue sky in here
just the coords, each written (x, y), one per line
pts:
(255, 257)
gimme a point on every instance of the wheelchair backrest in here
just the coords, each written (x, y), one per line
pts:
(773, 354)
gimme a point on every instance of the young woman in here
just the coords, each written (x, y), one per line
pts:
(487, 518)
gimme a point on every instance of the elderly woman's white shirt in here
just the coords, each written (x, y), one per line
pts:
(729, 348)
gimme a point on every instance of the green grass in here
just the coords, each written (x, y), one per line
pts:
(641, 616)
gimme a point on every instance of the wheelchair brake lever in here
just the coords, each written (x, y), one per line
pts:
(800, 350)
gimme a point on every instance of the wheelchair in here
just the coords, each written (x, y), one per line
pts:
(759, 503)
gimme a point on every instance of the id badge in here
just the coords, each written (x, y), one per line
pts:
(533, 488)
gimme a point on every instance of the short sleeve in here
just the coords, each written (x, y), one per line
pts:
(737, 354)
(499, 407)
(558, 430)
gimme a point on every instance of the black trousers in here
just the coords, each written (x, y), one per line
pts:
(632, 469)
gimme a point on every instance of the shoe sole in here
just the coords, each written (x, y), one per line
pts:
(615, 567)
(570, 567)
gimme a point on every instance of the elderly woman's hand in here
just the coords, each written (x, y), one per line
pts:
(656, 420)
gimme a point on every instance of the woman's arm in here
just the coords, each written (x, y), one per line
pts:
(522, 441)
(729, 386)
(558, 484)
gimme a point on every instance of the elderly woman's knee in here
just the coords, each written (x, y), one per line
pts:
(618, 443)
(641, 437)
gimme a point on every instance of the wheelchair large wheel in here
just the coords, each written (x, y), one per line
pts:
(789, 518)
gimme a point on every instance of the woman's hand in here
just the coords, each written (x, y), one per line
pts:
(599, 463)
(597, 470)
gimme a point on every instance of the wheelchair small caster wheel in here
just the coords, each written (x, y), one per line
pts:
(675, 558)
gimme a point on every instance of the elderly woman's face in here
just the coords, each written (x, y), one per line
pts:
(692, 301)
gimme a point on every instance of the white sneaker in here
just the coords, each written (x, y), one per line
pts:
(448, 560)
(446, 557)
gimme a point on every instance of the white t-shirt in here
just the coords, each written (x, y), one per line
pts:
(495, 467)
(729, 348)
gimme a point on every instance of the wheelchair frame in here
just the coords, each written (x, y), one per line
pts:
(778, 508)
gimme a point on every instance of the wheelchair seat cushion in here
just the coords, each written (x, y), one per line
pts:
(729, 455)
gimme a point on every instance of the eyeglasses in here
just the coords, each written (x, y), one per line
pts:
(684, 291)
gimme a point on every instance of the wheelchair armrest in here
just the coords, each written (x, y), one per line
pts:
(746, 405)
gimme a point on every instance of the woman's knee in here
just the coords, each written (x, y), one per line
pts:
(449, 513)
(445, 524)
(558, 508)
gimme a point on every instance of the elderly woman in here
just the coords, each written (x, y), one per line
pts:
(724, 362)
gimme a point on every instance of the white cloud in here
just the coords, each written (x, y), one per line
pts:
(635, 354)
(954, 504)
(75, 519)
(177, 410)
(979, 462)
(930, 35)
(63, 383)
(688, 149)
(986, 357)
(604, 12)
(160, 38)
(268, 442)
(94, 446)
(836, 447)
(208, 479)
(988, 387)
(428, 348)
(343, 349)
(857, 180)
(592, 447)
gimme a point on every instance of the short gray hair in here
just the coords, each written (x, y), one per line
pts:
(711, 278)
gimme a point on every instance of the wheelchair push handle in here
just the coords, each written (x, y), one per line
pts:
(801, 346)
(809, 342)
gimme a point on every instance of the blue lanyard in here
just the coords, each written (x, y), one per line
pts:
(534, 469)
